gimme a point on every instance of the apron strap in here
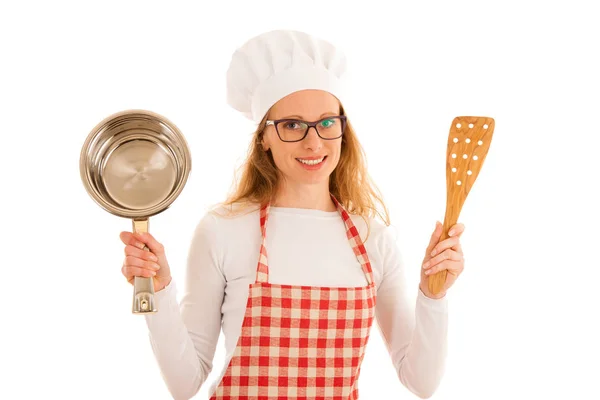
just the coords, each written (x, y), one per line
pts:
(262, 270)
(355, 241)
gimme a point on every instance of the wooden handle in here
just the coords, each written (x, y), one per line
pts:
(436, 281)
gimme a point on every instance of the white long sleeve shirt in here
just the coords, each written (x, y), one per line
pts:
(305, 247)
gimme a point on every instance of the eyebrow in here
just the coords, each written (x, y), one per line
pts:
(327, 114)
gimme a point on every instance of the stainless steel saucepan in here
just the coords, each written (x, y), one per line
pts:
(134, 164)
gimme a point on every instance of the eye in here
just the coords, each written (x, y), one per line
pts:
(293, 125)
(328, 123)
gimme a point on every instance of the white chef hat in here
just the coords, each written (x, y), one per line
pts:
(274, 64)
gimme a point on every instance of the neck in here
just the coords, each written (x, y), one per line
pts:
(304, 196)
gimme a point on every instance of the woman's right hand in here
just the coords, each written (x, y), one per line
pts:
(140, 262)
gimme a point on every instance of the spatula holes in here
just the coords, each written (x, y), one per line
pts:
(475, 158)
(458, 183)
(485, 126)
(455, 140)
(458, 126)
(470, 125)
(465, 156)
(453, 169)
(468, 140)
(469, 172)
(480, 142)
(453, 155)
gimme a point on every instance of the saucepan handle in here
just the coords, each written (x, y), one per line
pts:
(143, 287)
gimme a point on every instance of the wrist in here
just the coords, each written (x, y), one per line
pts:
(165, 284)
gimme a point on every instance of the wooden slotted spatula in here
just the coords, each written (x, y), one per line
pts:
(468, 144)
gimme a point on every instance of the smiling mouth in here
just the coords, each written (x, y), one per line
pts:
(312, 162)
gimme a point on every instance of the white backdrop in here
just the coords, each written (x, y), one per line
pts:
(523, 316)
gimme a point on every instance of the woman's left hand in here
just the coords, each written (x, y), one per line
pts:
(444, 255)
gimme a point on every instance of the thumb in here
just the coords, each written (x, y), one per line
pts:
(154, 245)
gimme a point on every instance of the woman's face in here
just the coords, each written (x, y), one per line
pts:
(310, 106)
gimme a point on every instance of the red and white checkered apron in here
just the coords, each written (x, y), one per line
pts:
(301, 342)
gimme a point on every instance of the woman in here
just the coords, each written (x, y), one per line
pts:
(294, 267)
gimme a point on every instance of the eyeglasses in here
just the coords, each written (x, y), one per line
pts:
(295, 130)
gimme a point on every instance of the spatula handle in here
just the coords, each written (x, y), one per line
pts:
(436, 281)
(143, 287)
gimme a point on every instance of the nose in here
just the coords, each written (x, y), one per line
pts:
(312, 140)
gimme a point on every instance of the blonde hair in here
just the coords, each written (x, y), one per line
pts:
(349, 182)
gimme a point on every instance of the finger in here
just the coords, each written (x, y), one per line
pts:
(125, 237)
(154, 245)
(132, 261)
(449, 243)
(447, 255)
(453, 267)
(456, 230)
(435, 237)
(137, 252)
(130, 272)
(128, 238)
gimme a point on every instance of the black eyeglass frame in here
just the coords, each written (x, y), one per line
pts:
(276, 122)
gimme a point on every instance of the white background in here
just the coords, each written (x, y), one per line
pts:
(523, 316)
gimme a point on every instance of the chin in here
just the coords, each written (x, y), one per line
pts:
(322, 176)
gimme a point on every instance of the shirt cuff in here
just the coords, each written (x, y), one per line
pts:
(165, 301)
(440, 304)
(166, 293)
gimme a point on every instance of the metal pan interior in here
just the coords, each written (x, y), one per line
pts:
(139, 174)
(134, 164)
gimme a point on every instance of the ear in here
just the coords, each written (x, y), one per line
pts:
(263, 142)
